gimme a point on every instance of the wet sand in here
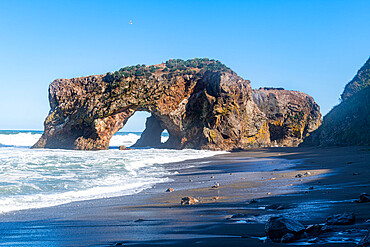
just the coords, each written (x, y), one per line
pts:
(332, 178)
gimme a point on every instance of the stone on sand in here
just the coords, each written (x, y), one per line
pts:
(317, 229)
(216, 185)
(364, 197)
(123, 147)
(365, 241)
(278, 226)
(347, 218)
(188, 200)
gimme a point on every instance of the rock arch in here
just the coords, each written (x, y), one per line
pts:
(202, 104)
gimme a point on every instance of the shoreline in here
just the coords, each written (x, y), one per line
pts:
(154, 216)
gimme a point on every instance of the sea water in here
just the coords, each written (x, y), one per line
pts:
(36, 178)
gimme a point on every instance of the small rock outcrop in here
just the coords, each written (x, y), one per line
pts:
(200, 102)
(348, 123)
(151, 136)
(283, 229)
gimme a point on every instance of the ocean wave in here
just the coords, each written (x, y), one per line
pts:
(124, 139)
(19, 139)
(27, 139)
(36, 178)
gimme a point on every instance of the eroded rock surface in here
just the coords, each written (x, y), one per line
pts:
(200, 102)
(292, 115)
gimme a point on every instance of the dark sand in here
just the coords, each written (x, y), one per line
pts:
(155, 217)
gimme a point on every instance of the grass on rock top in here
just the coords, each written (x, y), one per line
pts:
(171, 67)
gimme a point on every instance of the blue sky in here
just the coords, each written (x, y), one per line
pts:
(312, 46)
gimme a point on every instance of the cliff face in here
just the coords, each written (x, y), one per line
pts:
(348, 123)
(291, 115)
(359, 82)
(202, 104)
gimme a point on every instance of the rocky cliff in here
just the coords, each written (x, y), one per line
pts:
(202, 104)
(359, 82)
(348, 123)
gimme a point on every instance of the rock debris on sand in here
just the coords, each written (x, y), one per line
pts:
(188, 200)
(169, 190)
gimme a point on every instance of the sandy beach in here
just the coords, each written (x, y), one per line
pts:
(330, 180)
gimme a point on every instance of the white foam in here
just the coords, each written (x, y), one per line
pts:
(121, 139)
(19, 139)
(128, 139)
(27, 139)
(35, 178)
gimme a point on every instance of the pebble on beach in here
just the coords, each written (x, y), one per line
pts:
(188, 200)
(364, 197)
(169, 190)
(216, 185)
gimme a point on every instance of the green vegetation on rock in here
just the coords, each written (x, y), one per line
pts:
(172, 67)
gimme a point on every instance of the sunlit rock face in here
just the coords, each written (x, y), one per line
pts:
(292, 115)
(200, 102)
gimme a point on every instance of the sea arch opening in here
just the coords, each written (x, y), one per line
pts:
(141, 130)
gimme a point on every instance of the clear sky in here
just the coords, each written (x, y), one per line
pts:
(312, 46)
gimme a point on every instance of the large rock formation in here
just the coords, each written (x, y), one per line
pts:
(202, 104)
(291, 115)
(348, 123)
